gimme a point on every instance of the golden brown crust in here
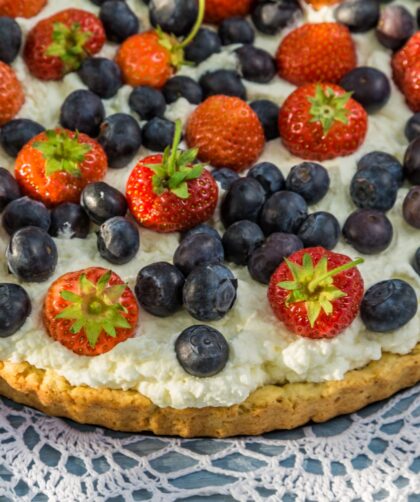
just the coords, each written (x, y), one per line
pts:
(268, 408)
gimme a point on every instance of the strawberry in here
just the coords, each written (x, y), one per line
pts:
(90, 311)
(21, 8)
(169, 193)
(318, 4)
(411, 86)
(316, 293)
(322, 121)
(11, 93)
(322, 52)
(58, 44)
(405, 58)
(218, 10)
(56, 165)
(227, 132)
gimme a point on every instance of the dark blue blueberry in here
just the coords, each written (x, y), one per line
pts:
(102, 76)
(310, 180)
(227, 82)
(158, 133)
(118, 240)
(182, 87)
(173, 16)
(16, 133)
(268, 113)
(388, 305)
(240, 240)
(69, 220)
(15, 307)
(102, 202)
(269, 176)
(10, 39)
(82, 111)
(272, 16)
(147, 102)
(243, 201)
(283, 212)
(204, 44)
(119, 20)
(412, 128)
(320, 229)
(416, 261)
(265, 260)
(120, 136)
(256, 64)
(411, 207)
(236, 30)
(32, 255)
(369, 231)
(374, 188)
(9, 188)
(203, 228)
(395, 26)
(412, 162)
(225, 177)
(358, 15)
(370, 87)
(159, 289)
(25, 212)
(202, 351)
(209, 292)
(198, 249)
(375, 159)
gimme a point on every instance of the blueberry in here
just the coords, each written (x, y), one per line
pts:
(320, 229)
(15, 307)
(358, 15)
(412, 128)
(182, 87)
(32, 255)
(9, 188)
(120, 137)
(147, 102)
(16, 133)
(416, 261)
(158, 133)
(209, 292)
(204, 44)
(202, 351)
(225, 177)
(283, 212)
(268, 113)
(265, 259)
(369, 231)
(384, 160)
(102, 202)
(256, 65)
(226, 82)
(272, 16)
(269, 176)
(240, 240)
(412, 162)
(119, 20)
(243, 201)
(310, 180)
(203, 228)
(374, 188)
(198, 249)
(370, 87)
(159, 289)
(411, 207)
(388, 305)
(82, 111)
(236, 30)
(10, 39)
(118, 240)
(102, 76)
(395, 27)
(173, 16)
(69, 220)
(25, 212)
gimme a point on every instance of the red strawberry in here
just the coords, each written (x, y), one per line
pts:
(322, 121)
(21, 8)
(318, 4)
(169, 193)
(56, 165)
(218, 10)
(316, 293)
(411, 86)
(11, 93)
(58, 45)
(322, 52)
(90, 311)
(406, 58)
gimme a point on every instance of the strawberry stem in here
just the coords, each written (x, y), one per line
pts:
(328, 107)
(197, 24)
(347, 266)
(174, 148)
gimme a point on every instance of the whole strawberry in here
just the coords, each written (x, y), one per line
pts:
(11, 93)
(21, 8)
(316, 293)
(321, 122)
(322, 52)
(90, 311)
(56, 165)
(58, 44)
(218, 10)
(227, 133)
(169, 193)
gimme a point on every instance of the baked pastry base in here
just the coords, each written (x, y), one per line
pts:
(268, 408)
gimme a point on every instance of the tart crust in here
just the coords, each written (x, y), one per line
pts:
(268, 408)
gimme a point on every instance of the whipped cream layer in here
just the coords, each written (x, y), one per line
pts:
(262, 351)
